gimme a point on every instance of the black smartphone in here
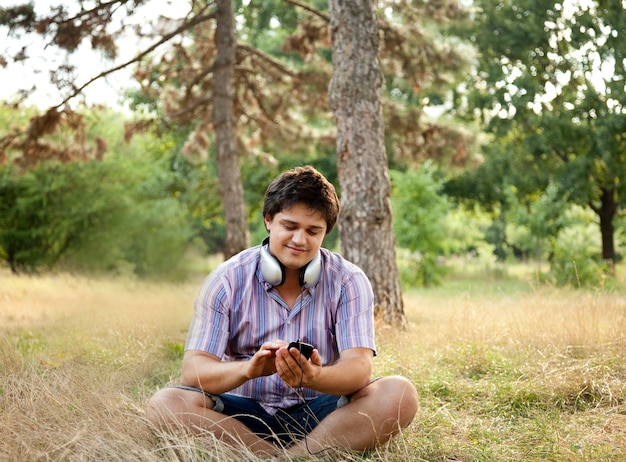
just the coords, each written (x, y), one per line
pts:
(305, 349)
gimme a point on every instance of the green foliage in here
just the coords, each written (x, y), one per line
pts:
(576, 259)
(198, 192)
(111, 215)
(542, 154)
(419, 223)
(419, 209)
(419, 270)
(533, 228)
(429, 228)
(557, 119)
(265, 25)
(465, 232)
(120, 214)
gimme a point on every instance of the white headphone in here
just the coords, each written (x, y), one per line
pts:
(273, 271)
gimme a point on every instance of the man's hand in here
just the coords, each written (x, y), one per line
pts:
(264, 361)
(294, 369)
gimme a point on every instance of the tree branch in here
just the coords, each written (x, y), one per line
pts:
(187, 25)
(187, 109)
(96, 9)
(310, 9)
(267, 59)
(198, 78)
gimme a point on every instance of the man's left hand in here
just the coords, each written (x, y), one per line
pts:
(295, 370)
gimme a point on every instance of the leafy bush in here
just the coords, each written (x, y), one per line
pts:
(112, 215)
(575, 260)
(418, 270)
(419, 224)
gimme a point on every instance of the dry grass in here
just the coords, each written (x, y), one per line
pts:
(513, 373)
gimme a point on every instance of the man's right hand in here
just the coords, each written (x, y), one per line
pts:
(208, 372)
(264, 361)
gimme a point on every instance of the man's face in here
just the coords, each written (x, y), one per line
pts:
(296, 235)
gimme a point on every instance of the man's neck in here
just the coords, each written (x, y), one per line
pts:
(290, 290)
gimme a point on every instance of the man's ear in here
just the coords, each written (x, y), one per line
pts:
(268, 221)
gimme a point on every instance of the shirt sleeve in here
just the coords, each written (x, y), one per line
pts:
(209, 329)
(355, 318)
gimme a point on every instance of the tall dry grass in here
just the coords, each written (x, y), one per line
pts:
(531, 374)
(76, 354)
(513, 373)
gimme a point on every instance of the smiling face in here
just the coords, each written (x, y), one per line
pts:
(296, 235)
(305, 186)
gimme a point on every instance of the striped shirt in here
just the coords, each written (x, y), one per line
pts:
(236, 311)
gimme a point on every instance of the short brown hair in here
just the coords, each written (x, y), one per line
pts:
(303, 185)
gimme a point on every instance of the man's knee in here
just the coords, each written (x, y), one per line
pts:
(398, 395)
(158, 409)
(167, 405)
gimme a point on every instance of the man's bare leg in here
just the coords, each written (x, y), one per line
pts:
(373, 416)
(175, 409)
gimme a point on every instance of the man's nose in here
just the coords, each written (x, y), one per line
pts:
(299, 236)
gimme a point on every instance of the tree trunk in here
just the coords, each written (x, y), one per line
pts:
(231, 187)
(365, 225)
(606, 212)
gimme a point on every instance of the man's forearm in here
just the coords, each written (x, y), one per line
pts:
(345, 377)
(213, 376)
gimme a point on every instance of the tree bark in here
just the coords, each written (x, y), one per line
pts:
(365, 225)
(229, 172)
(606, 212)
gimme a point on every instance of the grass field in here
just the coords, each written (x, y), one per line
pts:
(506, 369)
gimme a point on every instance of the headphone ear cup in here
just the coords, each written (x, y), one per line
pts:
(272, 270)
(310, 274)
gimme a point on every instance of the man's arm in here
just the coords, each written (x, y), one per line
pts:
(349, 374)
(207, 372)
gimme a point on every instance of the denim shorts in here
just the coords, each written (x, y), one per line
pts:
(283, 428)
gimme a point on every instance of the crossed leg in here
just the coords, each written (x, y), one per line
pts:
(373, 415)
(178, 410)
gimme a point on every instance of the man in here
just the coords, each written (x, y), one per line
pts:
(242, 382)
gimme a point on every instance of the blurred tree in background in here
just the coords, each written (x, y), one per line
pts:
(543, 81)
(549, 89)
